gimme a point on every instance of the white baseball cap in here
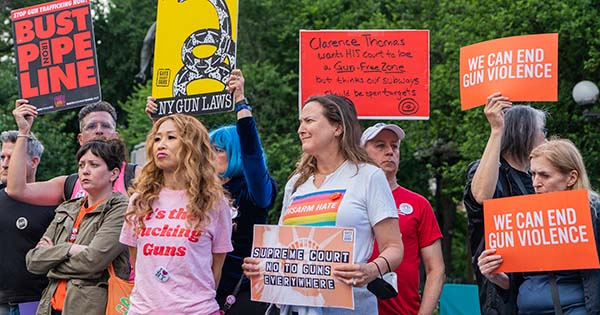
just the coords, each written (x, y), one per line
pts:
(374, 130)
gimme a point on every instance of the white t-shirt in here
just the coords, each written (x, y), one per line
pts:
(173, 269)
(366, 199)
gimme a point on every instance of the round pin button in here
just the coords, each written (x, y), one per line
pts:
(162, 274)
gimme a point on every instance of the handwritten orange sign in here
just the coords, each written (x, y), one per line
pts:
(384, 72)
(524, 68)
(542, 232)
(297, 264)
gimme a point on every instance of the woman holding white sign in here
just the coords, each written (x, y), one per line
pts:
(556, 165)
(333, 166)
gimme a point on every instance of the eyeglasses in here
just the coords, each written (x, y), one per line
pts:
(94, 126)
(545, 131)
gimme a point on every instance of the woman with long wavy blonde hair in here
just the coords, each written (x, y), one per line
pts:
(178, 225)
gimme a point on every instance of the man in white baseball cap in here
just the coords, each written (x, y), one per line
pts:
(420, 231)
(374, 130)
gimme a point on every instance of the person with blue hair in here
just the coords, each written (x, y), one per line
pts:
(226, 143)
(242, 166)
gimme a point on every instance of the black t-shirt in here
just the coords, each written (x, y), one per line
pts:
(21, 227)
(511, 182)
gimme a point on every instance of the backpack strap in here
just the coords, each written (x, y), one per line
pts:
(555, 296)
(69, 186)
(129, 174)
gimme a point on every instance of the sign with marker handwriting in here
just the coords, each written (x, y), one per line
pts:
(524, 68)
(55, 55)
(542, 232)
(384, 72)
(297, 265)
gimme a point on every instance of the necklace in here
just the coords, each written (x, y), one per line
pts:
(317, 173)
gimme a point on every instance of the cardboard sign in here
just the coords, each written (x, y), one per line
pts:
(297, 264)
(524, 68)
(194, 53)
(55, 54)
(542, 232)
(384, 72)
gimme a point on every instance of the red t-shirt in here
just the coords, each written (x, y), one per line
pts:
(419, 229)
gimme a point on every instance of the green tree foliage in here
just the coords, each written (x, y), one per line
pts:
(120, 32)
(138, 123)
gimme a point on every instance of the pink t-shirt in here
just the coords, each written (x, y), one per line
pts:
(173, 272)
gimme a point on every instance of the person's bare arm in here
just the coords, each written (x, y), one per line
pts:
(433, 261)
(488, 264)
(235, 84)
(484, 181)
(387, 234)
(151, 108)
(48, 193)
(217, 266)
(132, 255)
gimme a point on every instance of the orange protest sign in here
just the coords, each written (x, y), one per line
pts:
(524, 68)
(542, 232)
(384, 72)
(297, 265)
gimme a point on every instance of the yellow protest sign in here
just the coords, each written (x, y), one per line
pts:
(194, 53)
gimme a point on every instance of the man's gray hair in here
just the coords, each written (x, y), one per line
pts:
(34, 147)
(101, 106)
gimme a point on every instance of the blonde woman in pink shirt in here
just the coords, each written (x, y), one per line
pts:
(178, 225)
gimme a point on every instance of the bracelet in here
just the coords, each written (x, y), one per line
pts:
(242, 104)
(240, 107)
(387, 262)
(378, 269)
(20, 135)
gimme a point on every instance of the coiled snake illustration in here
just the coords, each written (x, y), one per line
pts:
(218, 66)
